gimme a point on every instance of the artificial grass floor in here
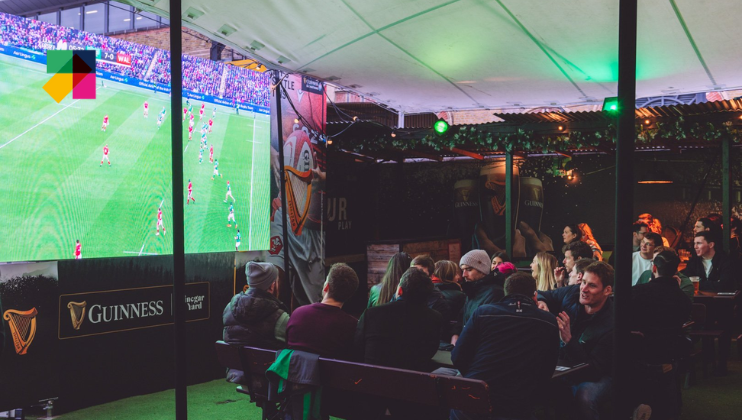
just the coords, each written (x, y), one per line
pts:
(716, 398)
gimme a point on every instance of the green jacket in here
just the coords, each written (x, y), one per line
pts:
(685, 284)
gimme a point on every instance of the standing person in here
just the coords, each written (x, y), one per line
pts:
(200, 154)
(78, 250)
(190, 193)
(159, 222)
(229, 193)
(324, 328)
(641, 260)
(211, 123)
(216, 169)
(480, 287)
(105, 123)
(213, 113)
(146, 109)
(105, 156)
(185, 113)
(201, 112)
(571, 233)
(511, 345)
(190, 131)
(587, 338)
(542, 267)
(237, 240)
(384, 291)
(231, 216)
(211, 153)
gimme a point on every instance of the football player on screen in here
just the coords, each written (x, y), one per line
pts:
(78, 250)
(105, 123)
(190, 193)
(105, 156)
(216, 169)
(229, 193)
(159, 222)
(237, 241)
(231, 216)
(146, 109)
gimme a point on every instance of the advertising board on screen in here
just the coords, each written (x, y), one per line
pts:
(85, 146)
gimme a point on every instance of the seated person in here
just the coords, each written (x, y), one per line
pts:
(685, 284)
(641, 260)
(256, 317)
(449, 273)
(436, 300)
(513, 346)
(499, 258)
(403, 333)
(480, 287)
(712, 265)
(323, 328)
(588, 338)
(384, 291)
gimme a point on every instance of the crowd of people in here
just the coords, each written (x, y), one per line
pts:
(507, 327)
(147, 63)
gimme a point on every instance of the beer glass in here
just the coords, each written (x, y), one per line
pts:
(696, 283)
(492, 199)
(531, 203)
(465, 209)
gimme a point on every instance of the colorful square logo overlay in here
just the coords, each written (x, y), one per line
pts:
(73, 71)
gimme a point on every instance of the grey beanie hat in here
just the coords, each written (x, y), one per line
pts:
(261, 275)
(478, 260)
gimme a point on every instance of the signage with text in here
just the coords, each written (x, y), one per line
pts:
(102, 312)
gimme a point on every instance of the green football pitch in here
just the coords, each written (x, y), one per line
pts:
(54, 190)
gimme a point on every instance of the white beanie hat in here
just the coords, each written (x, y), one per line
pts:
(478, 260)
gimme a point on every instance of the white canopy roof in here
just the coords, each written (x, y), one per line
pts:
(433, 55)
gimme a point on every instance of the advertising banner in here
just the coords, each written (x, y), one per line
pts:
(303, 115)
(108, 311)
(29, 370)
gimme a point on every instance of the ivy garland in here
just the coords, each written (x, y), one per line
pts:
(473, 138)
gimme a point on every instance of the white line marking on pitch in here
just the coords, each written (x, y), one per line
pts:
(184, 150)
(140, 253)
(42, 122)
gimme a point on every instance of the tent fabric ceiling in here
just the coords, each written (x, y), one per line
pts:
(433, 55)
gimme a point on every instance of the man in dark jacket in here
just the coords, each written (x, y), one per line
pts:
(480, 287)
(256, 317)
(513, 346)
(658, 311)
(404, 333)
(588, 338)
(712, 265)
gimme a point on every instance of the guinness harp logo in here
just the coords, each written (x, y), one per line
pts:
(77, 313)
(22, 327)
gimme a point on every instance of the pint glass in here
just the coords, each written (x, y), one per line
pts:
(696, 283)
(492, 199)
(465, 209)
(531, 203)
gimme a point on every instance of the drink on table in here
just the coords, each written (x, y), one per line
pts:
(696, 282)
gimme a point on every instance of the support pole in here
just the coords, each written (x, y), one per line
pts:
(726, 192)
(624, 205)
(509, 203)
(179, 304)
(277, 81)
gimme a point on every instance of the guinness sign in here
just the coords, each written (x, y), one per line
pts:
(109, 311)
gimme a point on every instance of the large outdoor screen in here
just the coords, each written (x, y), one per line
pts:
(90, 178)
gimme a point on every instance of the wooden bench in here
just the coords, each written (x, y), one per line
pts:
(444, 392)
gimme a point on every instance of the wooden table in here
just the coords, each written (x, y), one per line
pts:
(721, 306)
(443, 358)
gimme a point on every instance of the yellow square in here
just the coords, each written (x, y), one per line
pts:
(59, 86)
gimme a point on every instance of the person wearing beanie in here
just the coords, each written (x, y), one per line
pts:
(256, 317)
(481, 287)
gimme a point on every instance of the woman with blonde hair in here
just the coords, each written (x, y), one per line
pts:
(542, 267)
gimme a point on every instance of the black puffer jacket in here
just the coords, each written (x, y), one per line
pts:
(478, 293)
(250, 319)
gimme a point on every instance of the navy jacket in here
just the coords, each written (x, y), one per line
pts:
(513, 346)
(478, 293)
(565, 299)
(591, 343)
(720, 279)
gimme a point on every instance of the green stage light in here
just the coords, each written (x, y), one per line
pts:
(610, 104)
(440, 126)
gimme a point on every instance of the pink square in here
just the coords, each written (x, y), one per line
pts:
(84, 86)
